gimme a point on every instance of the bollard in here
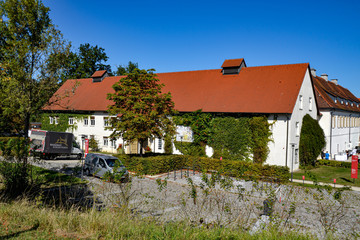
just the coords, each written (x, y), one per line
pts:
(188, 172)
(334, 182)
(174, 175)
(303, 179)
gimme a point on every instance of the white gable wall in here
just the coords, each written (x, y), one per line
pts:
(285, 132)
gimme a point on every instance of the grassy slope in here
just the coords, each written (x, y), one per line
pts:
(22, 220)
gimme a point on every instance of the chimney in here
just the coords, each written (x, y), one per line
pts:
(324, 76)
(313, 72)
(334, 81)
(233, 66)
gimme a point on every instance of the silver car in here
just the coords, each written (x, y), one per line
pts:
(99, 164)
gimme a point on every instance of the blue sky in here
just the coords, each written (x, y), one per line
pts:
(196, 35)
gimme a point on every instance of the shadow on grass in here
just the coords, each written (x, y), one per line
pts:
(346, 180)
(13, 235)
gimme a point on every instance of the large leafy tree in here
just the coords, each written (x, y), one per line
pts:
(84, 62)
(30, 47)
(142, 110)
(124, 70)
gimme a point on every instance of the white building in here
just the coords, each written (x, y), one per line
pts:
(340, 116)
(283, 93)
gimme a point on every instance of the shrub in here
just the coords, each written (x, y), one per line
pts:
(15, 169)
(189, 148)
(164, 163)
(93, 144)
(312, 141)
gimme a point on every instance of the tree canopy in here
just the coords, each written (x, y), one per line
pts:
(84, 62)
(124, 70)
(142, 110)
(29, 42)
(312, 141)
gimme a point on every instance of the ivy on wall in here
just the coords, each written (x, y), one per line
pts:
(62, 121)
(231, 138)
(237, 138)
(199, 123)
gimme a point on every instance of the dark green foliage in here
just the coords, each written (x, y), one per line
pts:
(231, 138)
(14, 171)
(260, 135)
(333, 163)
(199, 123)
(163, 163)
(84, 62)
(312, 141)
(189, 148)
(124, 70)
(93, 144)
(168, 144)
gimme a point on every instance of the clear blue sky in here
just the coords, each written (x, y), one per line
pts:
(196, 35)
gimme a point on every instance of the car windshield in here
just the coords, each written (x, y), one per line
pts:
(111, 162)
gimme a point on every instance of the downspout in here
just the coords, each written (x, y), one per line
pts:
(287, 139)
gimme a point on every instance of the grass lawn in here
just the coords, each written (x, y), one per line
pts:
(327, 174)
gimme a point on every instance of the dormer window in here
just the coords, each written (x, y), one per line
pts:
(335, 100)
(98, 76)
(347, 103)
(342, 102)
(233, 66)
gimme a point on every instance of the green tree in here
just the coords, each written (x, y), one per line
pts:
(84, 62)
(123, 70)
(28, 43)
(143, 110)
(312, 141)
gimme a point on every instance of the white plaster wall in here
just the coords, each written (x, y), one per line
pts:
(277, 154)
(325, 124)
(343, 138)
(306, 91)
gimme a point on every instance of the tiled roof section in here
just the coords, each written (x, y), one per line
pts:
(232, 62)
(326, 88)
(266, 89)
(98, 74)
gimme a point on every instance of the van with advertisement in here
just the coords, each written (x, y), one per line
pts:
(50, 145)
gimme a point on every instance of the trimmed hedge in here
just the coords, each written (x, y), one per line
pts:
(332, 163)
(163, 163)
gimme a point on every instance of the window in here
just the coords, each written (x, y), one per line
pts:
(92, 121)
(297, 127)
(106, 121)
(102, 163)
(301, 102)
(333, 121)
(310, 103)
(56, 120)
(106, 141)
(296, 156)
(86, 121)
(113, 143)
(339, 122)
(71, 121)
(51, 119)
(159, 144)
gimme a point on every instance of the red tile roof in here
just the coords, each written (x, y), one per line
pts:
(326, 88)
(265, 89)
(232, 62)
(98, 74)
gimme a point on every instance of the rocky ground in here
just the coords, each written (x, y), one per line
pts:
(227, 202)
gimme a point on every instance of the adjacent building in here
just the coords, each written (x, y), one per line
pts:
(283, 93)
(340, 116)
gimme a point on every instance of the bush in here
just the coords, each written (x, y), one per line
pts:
(189, 148)
(14, 171)
(332, 163)
(312, 141)
(164, 163)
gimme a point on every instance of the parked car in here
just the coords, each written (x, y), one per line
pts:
(99, 164)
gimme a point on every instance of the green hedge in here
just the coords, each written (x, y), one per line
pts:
(332, 163)
(6, 148)
(164, 163)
